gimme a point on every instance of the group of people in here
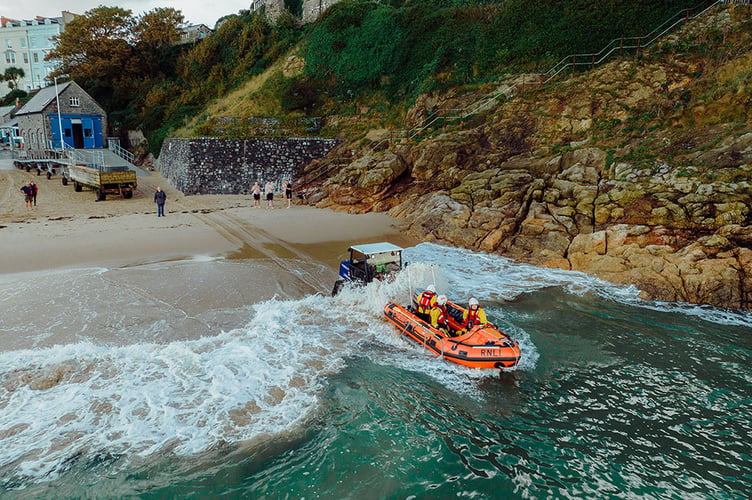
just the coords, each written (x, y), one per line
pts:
(269, 190)
(160, 197)
(432, 308)
(29, 192)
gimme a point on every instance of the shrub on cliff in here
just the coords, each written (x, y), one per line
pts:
(406, 48)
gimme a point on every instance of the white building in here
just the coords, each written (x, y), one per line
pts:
(194, 32)
(24, 44)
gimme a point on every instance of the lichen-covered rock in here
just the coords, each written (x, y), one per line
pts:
(638, 172)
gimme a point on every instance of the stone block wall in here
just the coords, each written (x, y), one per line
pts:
(231, 166)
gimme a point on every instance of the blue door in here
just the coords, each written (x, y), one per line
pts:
(90, 127)
(57, 128)
(96, 132)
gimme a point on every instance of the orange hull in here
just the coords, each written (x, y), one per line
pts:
(484, 346)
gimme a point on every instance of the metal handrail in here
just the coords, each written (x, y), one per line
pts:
(123, 153)
(113, 144)
(511, 86)
(91, 158)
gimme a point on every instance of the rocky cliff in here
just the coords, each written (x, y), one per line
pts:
(638, 171)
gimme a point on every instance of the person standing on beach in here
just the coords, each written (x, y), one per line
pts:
(160, 197)
(34, 191)
(26, 191)
(288, 193)
(269, 189)
(256, 191)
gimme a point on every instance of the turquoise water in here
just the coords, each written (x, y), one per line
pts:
(614, 398)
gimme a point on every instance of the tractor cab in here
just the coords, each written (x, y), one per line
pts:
(368, 262)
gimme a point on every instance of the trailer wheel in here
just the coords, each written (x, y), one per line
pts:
(127, 193)
(101, 196)
(49, 175)
(28, 168)
(77, 187)
(64, 181)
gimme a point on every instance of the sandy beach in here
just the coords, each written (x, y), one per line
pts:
(70, 229)
(112, 272)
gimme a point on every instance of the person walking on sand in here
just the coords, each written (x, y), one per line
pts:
(256, 191)
(34, 191)
(269, 189)
(26, 191)
(288, 193)
(160, 197)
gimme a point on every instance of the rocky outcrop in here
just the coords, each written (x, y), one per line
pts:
(639, 172)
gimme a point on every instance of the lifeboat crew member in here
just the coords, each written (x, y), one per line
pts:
(425, 302)
(474, 315)
(439, 314)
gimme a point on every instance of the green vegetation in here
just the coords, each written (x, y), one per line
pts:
(11, 76)
(134, 67)
(406, 48)
(359, 55)
(242, 47)
(10, 97)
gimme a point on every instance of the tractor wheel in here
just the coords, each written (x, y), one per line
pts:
(337, 287)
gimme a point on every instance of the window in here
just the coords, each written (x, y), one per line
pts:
(87, 132)
(36, 57)
(26, 58)
(67, 132)
(73, 101)
(10, 57)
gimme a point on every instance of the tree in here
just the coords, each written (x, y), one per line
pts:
(155, 33)
(11, 76)
(116, 57)
(96, 46)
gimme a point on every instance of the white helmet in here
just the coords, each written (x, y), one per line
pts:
(431, 288)
(473, 302)
(441, 300)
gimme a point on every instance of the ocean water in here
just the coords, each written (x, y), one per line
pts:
(213, 378)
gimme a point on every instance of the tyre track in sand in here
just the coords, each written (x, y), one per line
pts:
(241, 232)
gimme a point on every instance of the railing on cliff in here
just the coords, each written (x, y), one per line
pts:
(519, 83)
(616, 47)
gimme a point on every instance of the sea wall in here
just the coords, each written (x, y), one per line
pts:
(231, 166)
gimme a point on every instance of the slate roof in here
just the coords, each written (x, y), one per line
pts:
(9, 124)
(42, 98)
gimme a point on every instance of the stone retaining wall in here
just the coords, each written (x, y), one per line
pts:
(231, 166)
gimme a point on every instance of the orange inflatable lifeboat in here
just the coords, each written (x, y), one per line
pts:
(484, 346)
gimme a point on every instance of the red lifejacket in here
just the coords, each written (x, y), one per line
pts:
(424, 300)
(472, 317)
